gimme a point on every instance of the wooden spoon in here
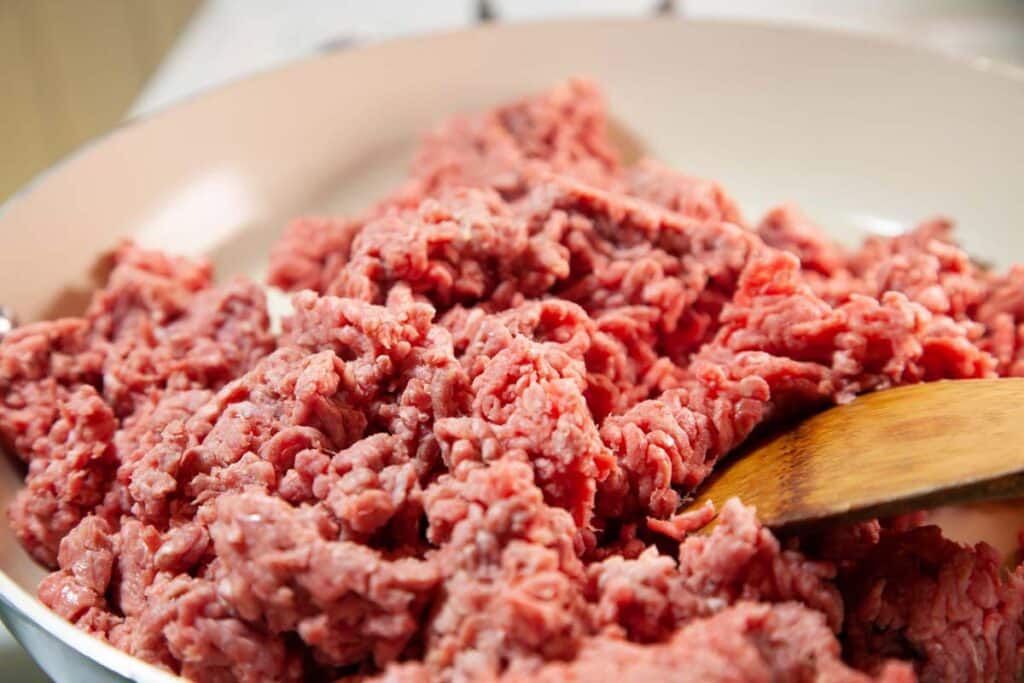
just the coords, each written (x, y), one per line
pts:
(893, 451)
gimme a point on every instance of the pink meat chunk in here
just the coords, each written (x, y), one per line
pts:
(281, 566)
(693, 197)
(511, 574)
(747, 642)
(522, 381)
(68, 475)
(310, 252)
(157, 324)
(787, 228)
(40, 365)
(651, 596)
(465, 454)
(952, 609)
(564, 130)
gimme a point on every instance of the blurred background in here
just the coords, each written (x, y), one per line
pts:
(71, 70)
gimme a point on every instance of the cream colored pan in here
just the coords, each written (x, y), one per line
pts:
(865, 135)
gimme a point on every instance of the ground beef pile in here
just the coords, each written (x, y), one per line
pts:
(464, 455)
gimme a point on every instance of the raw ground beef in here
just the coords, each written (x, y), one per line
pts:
(463, 457)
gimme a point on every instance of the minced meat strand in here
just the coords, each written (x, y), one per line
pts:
(283, 567)
(747, 642)
(464, 455)
(70, 469)
(916, 595)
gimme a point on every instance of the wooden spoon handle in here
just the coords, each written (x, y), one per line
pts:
(893, 451)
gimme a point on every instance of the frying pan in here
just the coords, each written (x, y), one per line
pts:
(866, 135)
